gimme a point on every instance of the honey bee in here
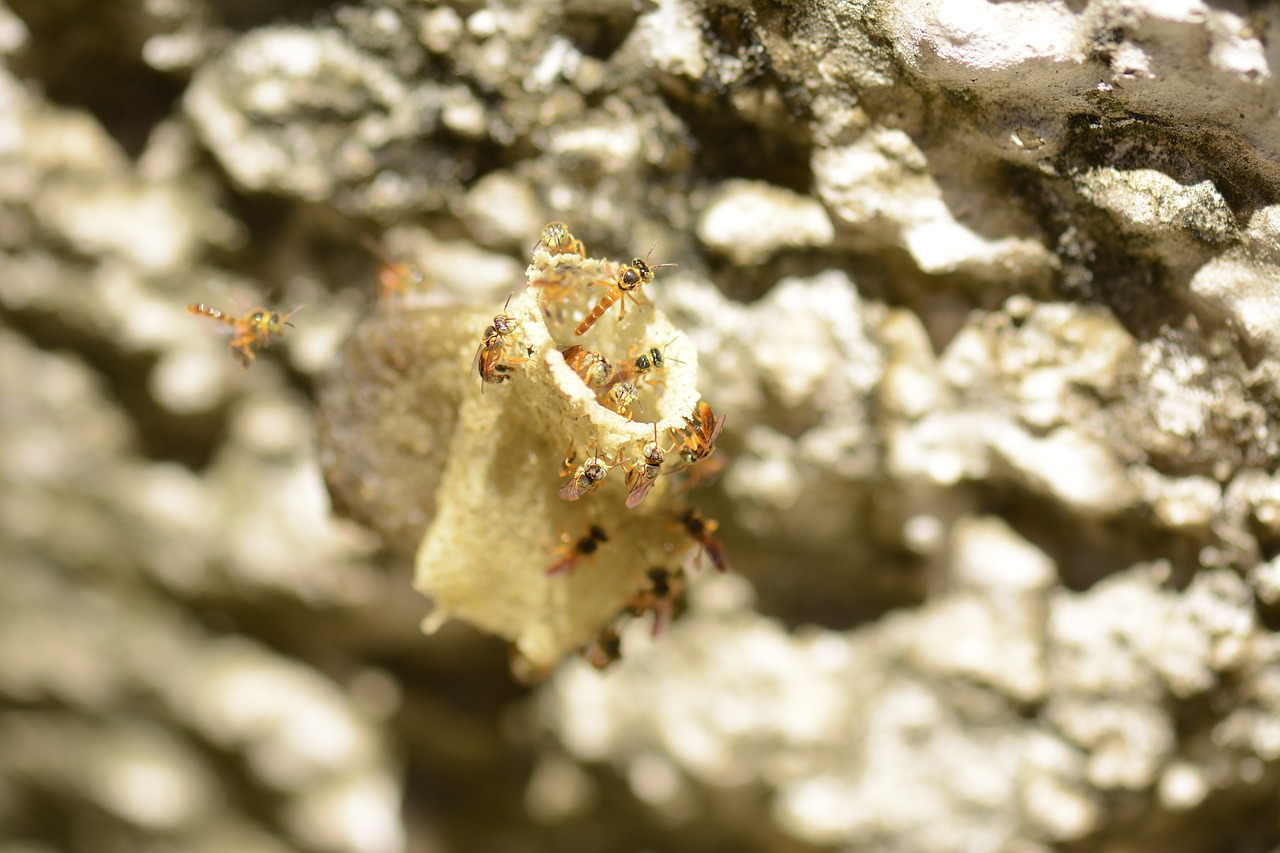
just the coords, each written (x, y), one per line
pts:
(699, 438)
(588, 476)
(605, 649)
(395, 277)
(700, 529)
(659, 597)
(557, 240)
(569, 555)
(489, 361)
(620, 396)
(629, 279)
(642, 475)
(590, 366)
(253, 329)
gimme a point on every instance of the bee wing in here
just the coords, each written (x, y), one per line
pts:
(663, 613)
(570, 490)
(716, 552)
(639, 490)
(561, 567)
(715, 431)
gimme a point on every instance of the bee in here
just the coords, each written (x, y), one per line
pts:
(619, 397)
(659, 597)
(704, 473)
(642, 475)
(557, 240)
(699, 438)
(587, 478)
(489, 361)
(644, 364)
(605, 649)
(395, 277)
(569, 555)
(253, 329)
(629, 279)
(700, 529)
(590, 366)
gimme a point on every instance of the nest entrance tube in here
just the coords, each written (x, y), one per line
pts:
(501, 522)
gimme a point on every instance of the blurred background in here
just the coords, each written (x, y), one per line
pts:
(986, 290)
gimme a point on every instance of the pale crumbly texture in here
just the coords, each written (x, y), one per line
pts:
(499, 516)
(987, 291)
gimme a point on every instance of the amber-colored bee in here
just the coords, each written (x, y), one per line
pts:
(253, 329)
(605, 649)
(620, 396)
(628, 279)
(701, 529)
(588, 476)
(395, 277)
(642, 475)
(490, 361)
(590, 366)
(659, 597)
(558, 240)
(698, 440)
(569, 555)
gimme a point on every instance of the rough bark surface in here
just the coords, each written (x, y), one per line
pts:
(987, 291)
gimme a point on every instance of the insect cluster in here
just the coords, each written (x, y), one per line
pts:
(623, 374)
(562, 507)
(253, 329)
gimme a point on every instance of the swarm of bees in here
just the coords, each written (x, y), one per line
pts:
(620, 382)
(253, 330)
(565, 286)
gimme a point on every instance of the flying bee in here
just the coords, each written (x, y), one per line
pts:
(590, 366)
(253, 329)
(699, 438)
(569, 555)
(557, 240)
(700, 529)
(395, 277)
(588, 476)
(642, 475)
(605, 648)
(490, 361)
(659, 597)
(627, 280)
(620, 396)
